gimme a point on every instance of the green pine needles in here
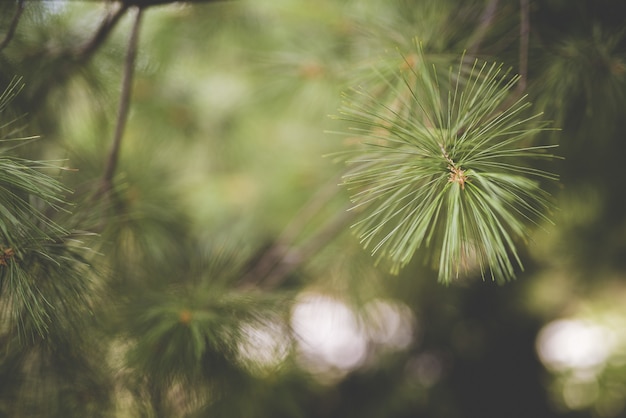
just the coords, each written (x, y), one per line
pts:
(43, 272)
(443, 168)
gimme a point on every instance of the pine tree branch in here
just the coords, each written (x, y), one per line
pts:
(73, 57)
(13, 25)
(84, 53)
(285, 241)
(523, 44)
(284, 256)
(124, 105)
(279, 249)
(148, 3)
(313, 206)
(486, 19)
(455, 184)
(295, 257)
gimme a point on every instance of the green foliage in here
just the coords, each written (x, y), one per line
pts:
(43, 276)
(189, 333)
(446, 170)
(156, 314)
(47, 296)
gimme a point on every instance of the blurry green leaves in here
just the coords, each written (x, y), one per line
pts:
(583, 82)
(190, 334)
(190, 331)
(443, 168)
(42, 265)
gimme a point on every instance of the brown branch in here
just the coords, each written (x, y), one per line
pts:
(295, 257)
(147, 3)
(73, 57)
(122, 114)
(523, 44)
(312, 207)
(84, 52)
(283, 256)
(12, 25)
(486, 19)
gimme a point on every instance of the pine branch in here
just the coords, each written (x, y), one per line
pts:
(523, 44)
(71, 58)
(43, 278)
(486, 19)
(122, 115)
(444, 170)
(284, 256)
(295, 256)
(191, 335)
(279, 249)
(83, 53)
(148, 3)
(13, 25)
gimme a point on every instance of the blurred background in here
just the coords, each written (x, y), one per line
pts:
(224, 279)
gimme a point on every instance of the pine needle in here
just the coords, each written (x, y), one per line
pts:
(444, 170)
(43, 278)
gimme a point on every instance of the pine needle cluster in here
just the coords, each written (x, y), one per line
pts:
(42, 264)
(443, 167)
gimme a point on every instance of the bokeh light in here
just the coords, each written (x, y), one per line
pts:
(574, 344)
(334, 339)
(585, 356)
(389, 324)
(265, 346)
(331, 340)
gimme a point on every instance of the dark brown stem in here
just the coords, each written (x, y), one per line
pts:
(523, 44)
(13, 25)
(122, 114)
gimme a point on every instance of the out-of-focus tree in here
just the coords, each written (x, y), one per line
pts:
(173, 243)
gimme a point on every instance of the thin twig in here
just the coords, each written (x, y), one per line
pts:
(13, 25)
(148, 3)
(296, 257)
(73, 57)
(84, 52)
(122, 114)
(486, 19)
(282, 257)
(312, 207)
(523, 44)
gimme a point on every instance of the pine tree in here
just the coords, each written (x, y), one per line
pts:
(165, 210)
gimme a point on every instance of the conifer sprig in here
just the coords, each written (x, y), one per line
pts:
(443, 168)
(43, 269)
